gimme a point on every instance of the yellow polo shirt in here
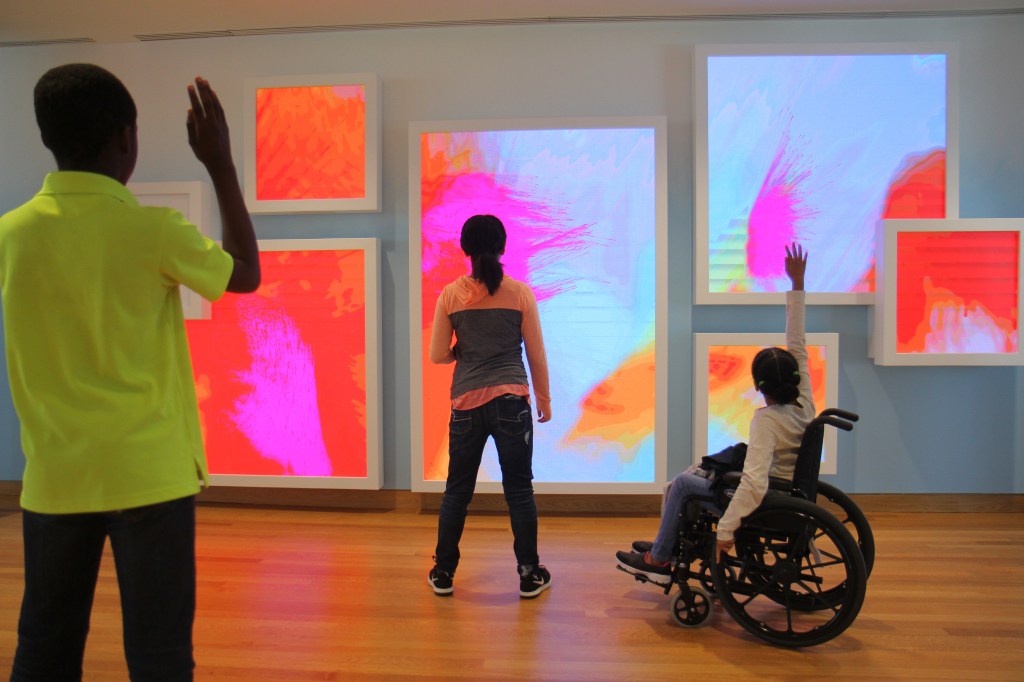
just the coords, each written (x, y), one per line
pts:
(96, 349)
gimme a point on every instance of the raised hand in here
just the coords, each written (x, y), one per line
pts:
(208, 137)
(208, 127)
(796, 265)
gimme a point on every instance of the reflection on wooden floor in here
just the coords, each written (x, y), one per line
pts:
(317, 595)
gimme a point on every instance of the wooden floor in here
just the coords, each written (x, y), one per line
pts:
(314, 595)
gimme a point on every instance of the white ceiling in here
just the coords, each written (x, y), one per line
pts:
(41, 21)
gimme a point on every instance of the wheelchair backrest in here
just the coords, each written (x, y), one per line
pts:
(808, 459)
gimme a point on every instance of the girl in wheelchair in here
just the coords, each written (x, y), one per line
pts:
(776, 430)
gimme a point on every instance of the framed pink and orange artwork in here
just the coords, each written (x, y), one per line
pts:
(288, 378)
(584, 205)
(949, 292)
(312, 143)
(816, 144)
(724, 399)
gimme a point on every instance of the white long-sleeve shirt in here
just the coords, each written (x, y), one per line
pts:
(775, 430)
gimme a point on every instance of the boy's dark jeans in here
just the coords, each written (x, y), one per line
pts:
(154, 554)
(509, 420)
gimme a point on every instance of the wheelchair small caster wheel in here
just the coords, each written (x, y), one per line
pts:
(691, 607)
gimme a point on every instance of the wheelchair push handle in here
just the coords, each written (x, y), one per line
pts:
(848, 416)
(833, 421)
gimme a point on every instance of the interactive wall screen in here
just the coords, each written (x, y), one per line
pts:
(288, 377)
(583, 203)
(949, 292)
(312, 144)
(816, 146)
(724, 395)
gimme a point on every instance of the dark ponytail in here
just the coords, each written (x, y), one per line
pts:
(776, 375)
(483, 240)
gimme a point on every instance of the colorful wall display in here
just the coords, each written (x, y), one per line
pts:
(288, 377)
(724, 396)
(816, 144)
(584, 205)
(949, 292)
(196, 202)
(312, 143)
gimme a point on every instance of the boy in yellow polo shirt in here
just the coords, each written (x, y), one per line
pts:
(101, 377)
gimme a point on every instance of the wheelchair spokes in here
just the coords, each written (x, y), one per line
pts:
(778, 590)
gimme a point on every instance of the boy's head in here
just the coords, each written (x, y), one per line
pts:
(80, 109)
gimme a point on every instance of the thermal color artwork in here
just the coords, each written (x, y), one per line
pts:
(311, 142)
(957, 292)
(732, 399)
(579, 209)
(817, 149)
(281, 374)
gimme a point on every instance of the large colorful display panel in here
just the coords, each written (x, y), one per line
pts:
(724, 396)
(584, 205)
(312, 144)
(196, 202)
(815, 145)
(949, 292)
(288, 377)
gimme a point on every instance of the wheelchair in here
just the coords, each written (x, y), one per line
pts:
(798, 573)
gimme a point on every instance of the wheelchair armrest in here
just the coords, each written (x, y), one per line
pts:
(731, 479)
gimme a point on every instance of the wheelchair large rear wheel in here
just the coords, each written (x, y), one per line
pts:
(797, 578)
(839, 504)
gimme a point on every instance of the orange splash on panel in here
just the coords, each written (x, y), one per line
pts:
(620, 408)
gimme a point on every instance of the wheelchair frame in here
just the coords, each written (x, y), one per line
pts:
(798, 576)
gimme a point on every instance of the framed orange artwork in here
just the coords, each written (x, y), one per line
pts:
(312, 144)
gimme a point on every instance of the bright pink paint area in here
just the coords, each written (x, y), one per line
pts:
(537, 235)
(279, 414)
(777, 212)
(281, 374)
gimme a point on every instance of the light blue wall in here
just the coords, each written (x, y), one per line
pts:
(923, 429)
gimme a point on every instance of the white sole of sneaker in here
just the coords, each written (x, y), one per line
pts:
(656, 578)
(442, 591)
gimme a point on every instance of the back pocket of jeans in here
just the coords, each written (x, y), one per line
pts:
(461, 422)
(513, 419)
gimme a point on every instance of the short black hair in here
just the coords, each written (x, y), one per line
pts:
(79, 108)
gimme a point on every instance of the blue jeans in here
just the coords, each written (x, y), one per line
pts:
(154, 554)
(683, 488)
(509, 421)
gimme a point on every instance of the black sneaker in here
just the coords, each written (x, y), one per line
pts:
(533, 580)
(642, 546)
(440, 581)
(638, 564)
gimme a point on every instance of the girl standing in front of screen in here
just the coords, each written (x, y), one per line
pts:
(492, 316)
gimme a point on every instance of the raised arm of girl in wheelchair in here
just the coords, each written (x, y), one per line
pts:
(781, 376)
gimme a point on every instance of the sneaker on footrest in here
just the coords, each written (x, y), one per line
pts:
(641, 564)
(533, 580)
(642, 546)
